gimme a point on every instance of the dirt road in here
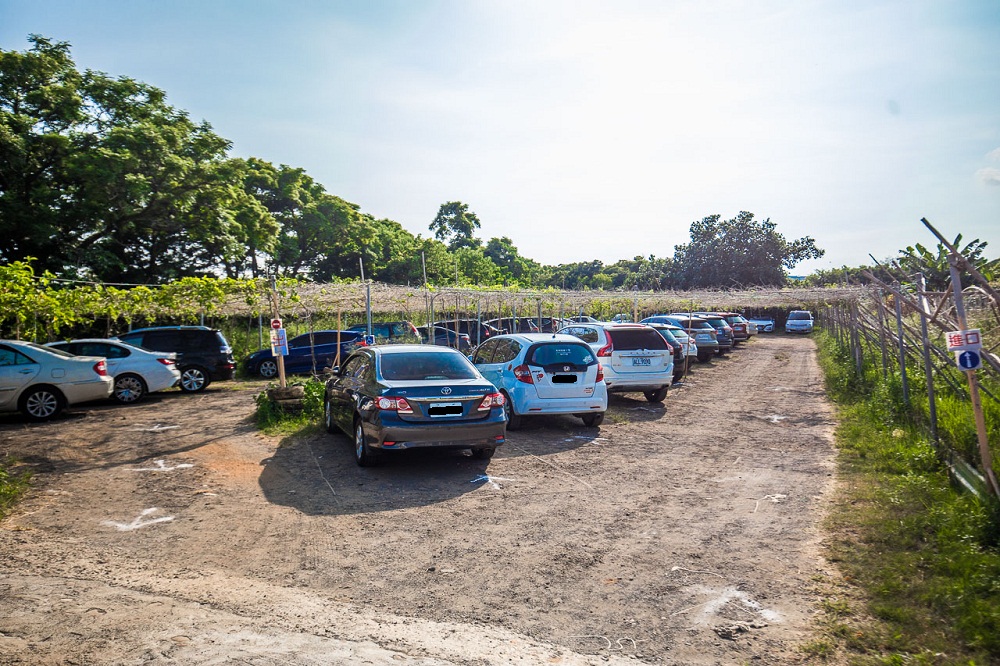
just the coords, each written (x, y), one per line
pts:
(171, 532)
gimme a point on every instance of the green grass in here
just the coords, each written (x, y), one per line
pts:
(921, 560)
(14, 482)
(272, 420)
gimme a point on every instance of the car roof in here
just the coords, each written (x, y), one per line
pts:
(532, 338)
(169, 328)
(403, 349)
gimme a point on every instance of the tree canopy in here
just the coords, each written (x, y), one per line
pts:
(736, 253)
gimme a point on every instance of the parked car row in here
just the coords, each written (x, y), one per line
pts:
(570, 371)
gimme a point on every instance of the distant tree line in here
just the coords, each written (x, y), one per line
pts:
(101, 179)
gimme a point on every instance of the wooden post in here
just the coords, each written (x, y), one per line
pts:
(985, 456)
(275, 314)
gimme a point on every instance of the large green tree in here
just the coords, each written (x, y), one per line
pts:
(456, 225)
(100, 175)
(740, 252)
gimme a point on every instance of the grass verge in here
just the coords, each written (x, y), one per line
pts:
(920, 561)
(14, 482)
(275, 421)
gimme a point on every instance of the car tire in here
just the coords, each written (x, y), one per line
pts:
(705, 356)
(328, 422)
(483, 453)
(362, 453)
(41, 403)
(593, 420)
(656, 396)
(268, 369)
(128, 389)
(514, 420)
(194, 379)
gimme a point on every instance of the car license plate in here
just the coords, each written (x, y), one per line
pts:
(641, 360)
(445, 409)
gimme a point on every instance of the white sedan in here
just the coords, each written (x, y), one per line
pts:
(40, 382)
(136, 371)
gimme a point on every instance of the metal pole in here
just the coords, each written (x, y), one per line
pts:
(902, 352)
(928, 369)
(368, 305)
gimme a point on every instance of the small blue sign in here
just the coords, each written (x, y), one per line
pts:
(369, 340)
(969, 360)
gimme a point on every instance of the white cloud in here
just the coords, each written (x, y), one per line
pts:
(994, 155)
(989, 175)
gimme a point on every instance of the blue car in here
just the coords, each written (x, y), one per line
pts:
(307, 353)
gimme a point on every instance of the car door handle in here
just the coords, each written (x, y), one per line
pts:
(26, 372)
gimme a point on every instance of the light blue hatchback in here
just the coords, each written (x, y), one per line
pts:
(544, 373)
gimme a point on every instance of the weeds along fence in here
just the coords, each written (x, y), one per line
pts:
(895, 336)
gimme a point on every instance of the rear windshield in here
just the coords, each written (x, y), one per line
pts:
(629, 339)
(560, 353)
(427, 365)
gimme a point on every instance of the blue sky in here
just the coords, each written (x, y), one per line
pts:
(589, 130)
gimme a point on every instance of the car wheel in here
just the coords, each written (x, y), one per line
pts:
(268, 369)
(593, 420)
(362, 453)
(703, 357)
(514, 420)
(194, 379)
(42, 403)
(328, 416)
(128, 389)
(656, 396)
(484, 453)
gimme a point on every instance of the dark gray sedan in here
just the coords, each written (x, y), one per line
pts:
(392, 397)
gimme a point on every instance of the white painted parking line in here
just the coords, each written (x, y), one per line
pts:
(139, 521)
(492, 480)
(161, 466)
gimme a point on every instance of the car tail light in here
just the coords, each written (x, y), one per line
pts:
(101, 368)
(606, 349)
(166, 361)
(393, 404)
(523, 374)
(600, 372)
(490, 401)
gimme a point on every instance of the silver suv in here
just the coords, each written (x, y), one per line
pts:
(634, 357)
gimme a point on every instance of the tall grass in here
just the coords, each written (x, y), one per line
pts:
(925, 556)
(13, 482)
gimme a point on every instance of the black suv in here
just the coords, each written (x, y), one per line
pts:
(203, 355)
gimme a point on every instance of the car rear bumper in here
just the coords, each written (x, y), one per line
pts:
(489, 433)
(535, 405)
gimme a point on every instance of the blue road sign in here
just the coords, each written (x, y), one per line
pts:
(969, 360)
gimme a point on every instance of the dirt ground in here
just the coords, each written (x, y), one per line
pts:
(172, 532)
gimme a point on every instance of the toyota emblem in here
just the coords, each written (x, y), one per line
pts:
(446, 390)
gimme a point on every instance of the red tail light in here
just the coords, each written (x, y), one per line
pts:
(166, 361)
(490, 401)
(393, 404)
(606, 350)
(101, 368)
(523, 374)
(600, 372)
